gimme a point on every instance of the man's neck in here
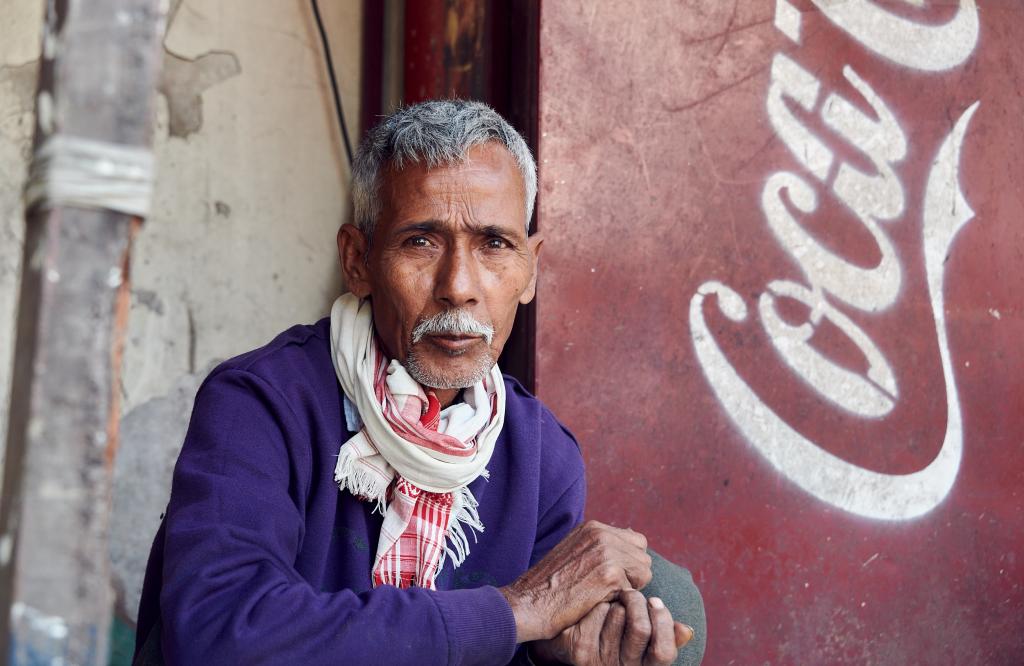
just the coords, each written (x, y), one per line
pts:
(446, 396)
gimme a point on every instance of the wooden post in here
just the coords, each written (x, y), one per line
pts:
(97, 82)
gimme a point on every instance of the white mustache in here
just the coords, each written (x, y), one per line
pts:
(452, 322)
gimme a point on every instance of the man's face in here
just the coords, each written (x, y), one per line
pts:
(449, 240)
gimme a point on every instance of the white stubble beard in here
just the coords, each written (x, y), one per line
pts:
(418, 370)
(455, 321)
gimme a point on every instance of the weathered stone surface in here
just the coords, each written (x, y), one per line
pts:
(151, 436)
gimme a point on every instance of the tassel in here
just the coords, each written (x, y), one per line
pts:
(465, 513)
(350, 474)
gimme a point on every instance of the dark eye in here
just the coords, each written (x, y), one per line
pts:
(497, 243)
(418, 241)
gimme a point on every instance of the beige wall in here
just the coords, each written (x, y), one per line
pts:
(240, 243)
(19, 65)
(251, 187)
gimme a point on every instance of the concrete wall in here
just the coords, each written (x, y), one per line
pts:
(19, 67)
(251, 187)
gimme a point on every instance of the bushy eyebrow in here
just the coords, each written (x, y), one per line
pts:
(427, 226)
(436, 226)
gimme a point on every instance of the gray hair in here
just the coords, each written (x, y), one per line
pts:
(436, 133)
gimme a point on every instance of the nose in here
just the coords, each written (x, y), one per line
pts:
(457, 283)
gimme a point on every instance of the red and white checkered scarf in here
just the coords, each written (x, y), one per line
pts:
(413, 459)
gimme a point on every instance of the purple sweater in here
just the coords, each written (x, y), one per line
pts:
(261, 559)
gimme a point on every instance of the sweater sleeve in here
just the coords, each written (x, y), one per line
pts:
(231, 593)
(558, 517)
(562, 471)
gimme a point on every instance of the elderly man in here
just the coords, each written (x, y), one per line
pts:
(371, 489)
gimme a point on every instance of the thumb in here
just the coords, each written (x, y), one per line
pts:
(684, 633)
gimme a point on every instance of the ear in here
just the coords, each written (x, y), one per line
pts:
(352, 248)
(534, 242)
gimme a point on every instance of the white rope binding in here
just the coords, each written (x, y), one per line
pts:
(85, 173)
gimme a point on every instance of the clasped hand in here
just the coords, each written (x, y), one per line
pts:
(581, 603)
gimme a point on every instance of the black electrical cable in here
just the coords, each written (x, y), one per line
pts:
(334, 81)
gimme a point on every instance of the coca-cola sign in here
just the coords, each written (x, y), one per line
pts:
(781, 305)
(875, 199)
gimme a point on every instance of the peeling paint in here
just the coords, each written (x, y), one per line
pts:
(18, 83)
(150, 299)
(184, 81)
(172, 13)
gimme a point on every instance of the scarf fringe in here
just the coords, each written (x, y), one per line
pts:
(350, 476)
(360, 482)
(465, 514)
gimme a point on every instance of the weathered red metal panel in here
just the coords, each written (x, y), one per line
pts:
(781, 306)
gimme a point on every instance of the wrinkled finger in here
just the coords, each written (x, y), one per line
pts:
(598, 532)
(584, 645)
(617, 552)
(633, 563)
(632, 537)
(612, 578)
(638, 569)
(610, 638)
(595, 618)
(661, 649)
(638, 628)
(684, 633)
(630, 540)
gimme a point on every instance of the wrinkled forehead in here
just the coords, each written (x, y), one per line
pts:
(487, 175)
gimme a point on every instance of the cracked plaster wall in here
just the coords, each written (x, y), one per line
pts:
(19, 66)
(251, 187)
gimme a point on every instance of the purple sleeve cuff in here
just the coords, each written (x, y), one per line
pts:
(480, 624)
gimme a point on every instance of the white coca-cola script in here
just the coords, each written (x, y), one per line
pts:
(876, 200)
